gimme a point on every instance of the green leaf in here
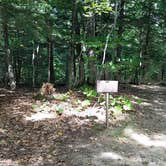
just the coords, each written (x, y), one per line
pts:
(34, 106)
(113, 102)
(59, 109)
(118, 108)
(128, 107)
(139, 101)
(85, 103)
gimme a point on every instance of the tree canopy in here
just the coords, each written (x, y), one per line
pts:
(76, 42)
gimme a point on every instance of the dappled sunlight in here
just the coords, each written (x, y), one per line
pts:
(156, 101)
(25, 103)
(145, 87)
(81, 146)
(159, 136)
(2, 95)
(3, 90)
(110, 155)
(142, 87)
(118, 159)
(160, 112)
(8, 162)
(53, 130)
(157, 141)
(2, 131)
(49, 111)
(97, 113)
(142, 100)
(146, 104)
(40, 116)
(39, 160)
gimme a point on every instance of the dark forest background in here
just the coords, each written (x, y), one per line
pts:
(73, 42)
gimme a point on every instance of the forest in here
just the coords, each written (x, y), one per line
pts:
(53, 53)
(80, 42)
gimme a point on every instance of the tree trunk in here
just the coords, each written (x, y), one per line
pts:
(162, 74)
(10, 79)
(145, 43)
(79, 53)
(120, 32)
(120, 27)
(91, 64)
(81, 71)
(51, 76)
(92, 68)
(71, 58)
(70, 67)
(33, 67)
(18, 62)
(17, 67)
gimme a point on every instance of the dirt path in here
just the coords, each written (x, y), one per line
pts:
(140, 139)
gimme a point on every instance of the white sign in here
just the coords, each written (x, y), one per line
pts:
(106, 86)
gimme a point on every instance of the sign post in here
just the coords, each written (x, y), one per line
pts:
(107, 105)
(104, 86)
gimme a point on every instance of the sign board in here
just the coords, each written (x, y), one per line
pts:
(106, 86)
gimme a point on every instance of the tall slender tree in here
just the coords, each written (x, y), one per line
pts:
(10, 79)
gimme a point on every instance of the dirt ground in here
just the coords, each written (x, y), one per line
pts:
(139, 138)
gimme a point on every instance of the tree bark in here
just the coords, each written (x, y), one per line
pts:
(120, 27)
(51, 76)
(79, 53)
(91, 64)
(17, 67)
(17, 62)
(71, 58)
(162, 73)
(10, 79)
(120, 30)
(33, 67)
(145, 42)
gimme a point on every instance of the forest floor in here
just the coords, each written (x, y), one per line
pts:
(32, 134)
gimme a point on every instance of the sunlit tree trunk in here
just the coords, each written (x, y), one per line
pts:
(33, 67)
(17, 62)
(10, 79)
(81, 77)
(92, 67)
(70, 64)
(34, 58)
(91, 53)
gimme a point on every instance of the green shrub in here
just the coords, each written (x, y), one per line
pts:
(88, 91)
(85, 103)
(39, 97)
(59, 110)
(62, 97)
(120, 104)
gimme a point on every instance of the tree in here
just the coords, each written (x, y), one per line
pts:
(10, 79)
(82, 41)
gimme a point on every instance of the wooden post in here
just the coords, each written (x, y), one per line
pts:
(107, 106)
(106, 86)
